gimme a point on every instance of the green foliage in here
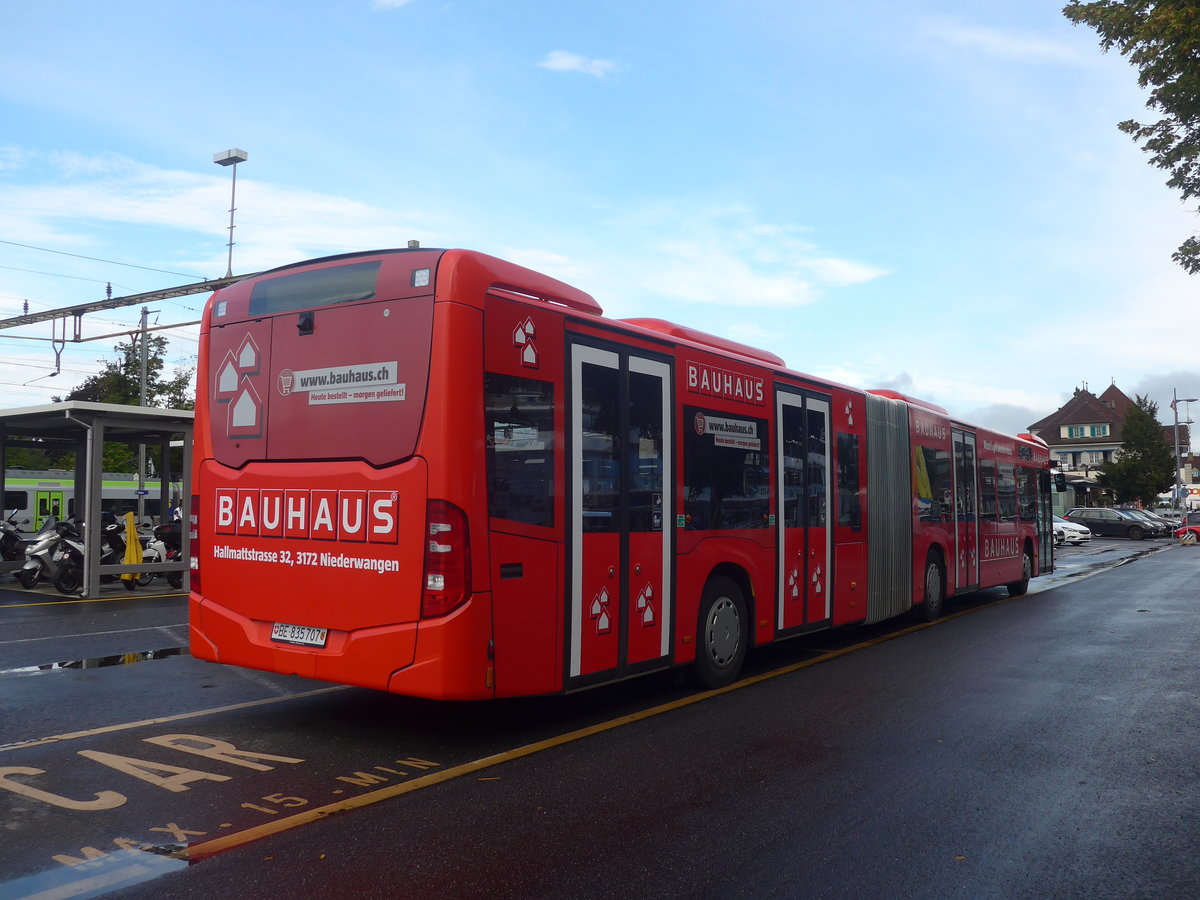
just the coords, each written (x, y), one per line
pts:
(1146, 466)
(120, 382)
(1162, 39)
(25, 458)
(120, 379)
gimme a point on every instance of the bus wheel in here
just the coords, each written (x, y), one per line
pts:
(722, 634)
(935, 589)
(1017, 588)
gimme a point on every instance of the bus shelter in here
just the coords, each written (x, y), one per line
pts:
(85, 427)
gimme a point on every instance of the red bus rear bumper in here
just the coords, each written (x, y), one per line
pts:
(443, 659)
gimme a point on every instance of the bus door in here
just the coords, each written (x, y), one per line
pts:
(966, 512)
(48, 503)
(619, 602)
(803, 503)
(1045, 523)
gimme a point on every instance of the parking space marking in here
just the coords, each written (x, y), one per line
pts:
(125, 596)
(209, 848)
(55, 637)
(126, 726)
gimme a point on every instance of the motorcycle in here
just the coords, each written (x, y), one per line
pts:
(42, 554)
(170, 536)
(69, 576)
(12, 541)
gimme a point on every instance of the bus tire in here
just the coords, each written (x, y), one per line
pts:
(721, 635)
(934, 581)
(1017, 588)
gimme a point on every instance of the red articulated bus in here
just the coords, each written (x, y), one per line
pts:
(441, 474)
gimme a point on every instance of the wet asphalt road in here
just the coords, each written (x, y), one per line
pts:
(1044, 746)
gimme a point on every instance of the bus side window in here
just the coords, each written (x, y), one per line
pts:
(519, 433)
(849, 496)
(1007, 489)
(988, 511)
(727, 481)
(1027, 494)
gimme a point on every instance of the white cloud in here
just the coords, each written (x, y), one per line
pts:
(563, 61)
(274, 224)
(727, 257)
(11, 158)
(707, 271)
(998, 43)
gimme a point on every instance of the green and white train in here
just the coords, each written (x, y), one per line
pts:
(35, 495)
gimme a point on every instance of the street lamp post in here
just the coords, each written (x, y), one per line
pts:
(1175, 401)
(231, 158)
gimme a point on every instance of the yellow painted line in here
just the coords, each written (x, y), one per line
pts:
(129, 595)
(126, 726)
(206, 849)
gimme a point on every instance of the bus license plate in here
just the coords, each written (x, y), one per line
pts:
(299, 634)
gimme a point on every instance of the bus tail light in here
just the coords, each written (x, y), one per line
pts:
(447, 559)
(193, 527)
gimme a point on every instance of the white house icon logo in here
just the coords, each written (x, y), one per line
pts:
(523, 336)
(235, 388)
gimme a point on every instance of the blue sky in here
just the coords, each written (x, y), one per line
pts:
(930, 196)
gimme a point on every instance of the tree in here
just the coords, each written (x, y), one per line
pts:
(1146, 466)
(1162, 39)
(120, 381)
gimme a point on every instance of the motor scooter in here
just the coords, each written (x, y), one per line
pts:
(43, 554)
(69, 576)
(170, 535)
(154, 550)
(12, 541)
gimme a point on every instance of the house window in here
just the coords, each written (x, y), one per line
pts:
(1099, 430)
(1073, 431)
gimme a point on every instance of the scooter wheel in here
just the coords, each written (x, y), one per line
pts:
(67, 580)
(29, 577)
(130, 584)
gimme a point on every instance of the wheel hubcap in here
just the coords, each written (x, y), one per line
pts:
(724, 632)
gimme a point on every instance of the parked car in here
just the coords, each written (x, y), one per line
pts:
(1109, 522)
(1060, 534)
(1071, 532)
(1190, 523)
(1160, 525)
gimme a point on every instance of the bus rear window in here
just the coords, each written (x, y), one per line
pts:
(315, 287)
